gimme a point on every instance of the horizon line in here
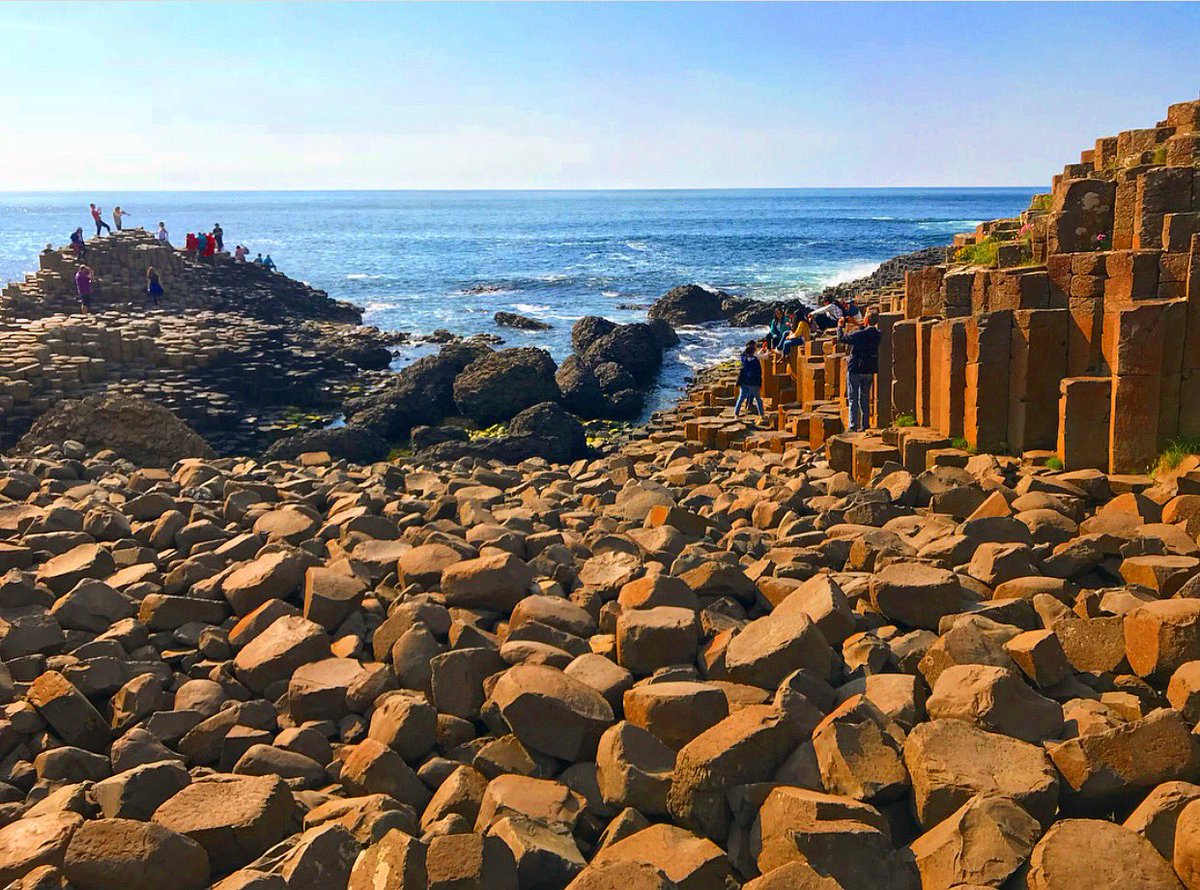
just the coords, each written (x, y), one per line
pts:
(719, 188)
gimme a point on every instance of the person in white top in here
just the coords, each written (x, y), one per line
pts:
(162, 235)
(827, 316)
(118, 215)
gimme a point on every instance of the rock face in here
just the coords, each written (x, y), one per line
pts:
(688, 304)
(345, 443)
(499, 385)
(137, 430)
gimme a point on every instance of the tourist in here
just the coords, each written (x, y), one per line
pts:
(191, 244)
(83, 286)
(219, 234)
(239, 254)
(77, 243)
(778, 329)
(154, 288)
(268, 263)
(749, 380)
(861, 368)
(800, 333)
(852, 309)
(201, 245)
(258, 261)
(118, 215)
(827, 316)
(161, 234)
(98, 220)
(210, 247)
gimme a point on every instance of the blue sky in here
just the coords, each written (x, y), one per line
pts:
(576, 95)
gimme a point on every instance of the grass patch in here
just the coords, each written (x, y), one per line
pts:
(981, 254)
(495, 431)
(1054, 463)
(905, 420)
(1159, 155)
(962, 444)
(1172, 456)
(1041, 202)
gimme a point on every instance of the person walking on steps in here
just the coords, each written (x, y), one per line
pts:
(861, 368)
(118, 215)
(154, 288)
(98, 219)
(83, 287)
(749, 381)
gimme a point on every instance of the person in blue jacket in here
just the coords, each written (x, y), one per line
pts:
(749, 381)
(861, 368)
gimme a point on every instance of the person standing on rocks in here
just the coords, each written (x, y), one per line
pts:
(201, 245)
(118, 215)
(861, 368)
(749, 381)
(219, 236)
(83, 286)
(154, 288)
(99, 220)
(162, 235)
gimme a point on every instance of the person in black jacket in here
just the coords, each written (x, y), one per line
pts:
(861, 368)
(749, 380)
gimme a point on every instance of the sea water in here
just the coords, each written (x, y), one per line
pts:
(417, 261)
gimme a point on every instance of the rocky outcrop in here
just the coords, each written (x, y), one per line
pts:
(498, 385)
(520, 322)
(341, 443)
(543, 431)
(689, 304)
(137, 430)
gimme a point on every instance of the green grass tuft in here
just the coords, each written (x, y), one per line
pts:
(1054, 463)
(905, 420)
(1159, 155)
(980, 254)
(1041, 202)
(1172, 456)
(960, 443)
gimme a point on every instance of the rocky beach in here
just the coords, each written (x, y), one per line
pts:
(273, 615)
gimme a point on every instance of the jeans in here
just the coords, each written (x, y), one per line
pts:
(858, 394)
(750, 395)
(790, 342)
(101, 224)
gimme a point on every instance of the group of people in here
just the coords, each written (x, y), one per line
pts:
(857, 329)
(203, 245)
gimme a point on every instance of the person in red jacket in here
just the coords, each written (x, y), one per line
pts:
(190, 243)
(210, 247)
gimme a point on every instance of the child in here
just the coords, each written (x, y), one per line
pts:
(154, 288)
(749, 379)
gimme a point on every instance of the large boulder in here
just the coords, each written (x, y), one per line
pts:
(139, 431)
(688, 304)
(355, 444)
(501, 384)
(588, 330)
(520, 322)
(421, 394)
(635, 347)
(563, 435)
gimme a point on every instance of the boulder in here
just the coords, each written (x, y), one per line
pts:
(982, 843)
(520, 322)
(1097, 854)
(552, 713)
(501, 384)
(138, 430)
(355, 444)
(688, 304)
(563, 435)
(994, 699)
(114, 854)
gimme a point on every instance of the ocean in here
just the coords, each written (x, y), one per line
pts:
(417, 261)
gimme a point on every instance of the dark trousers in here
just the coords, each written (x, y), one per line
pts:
(858, 394)
(101, 224)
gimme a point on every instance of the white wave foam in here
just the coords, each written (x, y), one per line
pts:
(954, 225)
(362, 276)
(850, 273)
(530, 307)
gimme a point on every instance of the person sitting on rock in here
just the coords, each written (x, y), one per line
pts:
(78, 244)
(799, 333)
(827, 316)
(239, 254)
(861, 368)
(258, 260)
(161, 234)
(749, 380)
(154, 288)
(83, 286)
(778, 329)
(269, 263)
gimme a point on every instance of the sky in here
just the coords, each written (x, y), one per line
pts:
(133, 96)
